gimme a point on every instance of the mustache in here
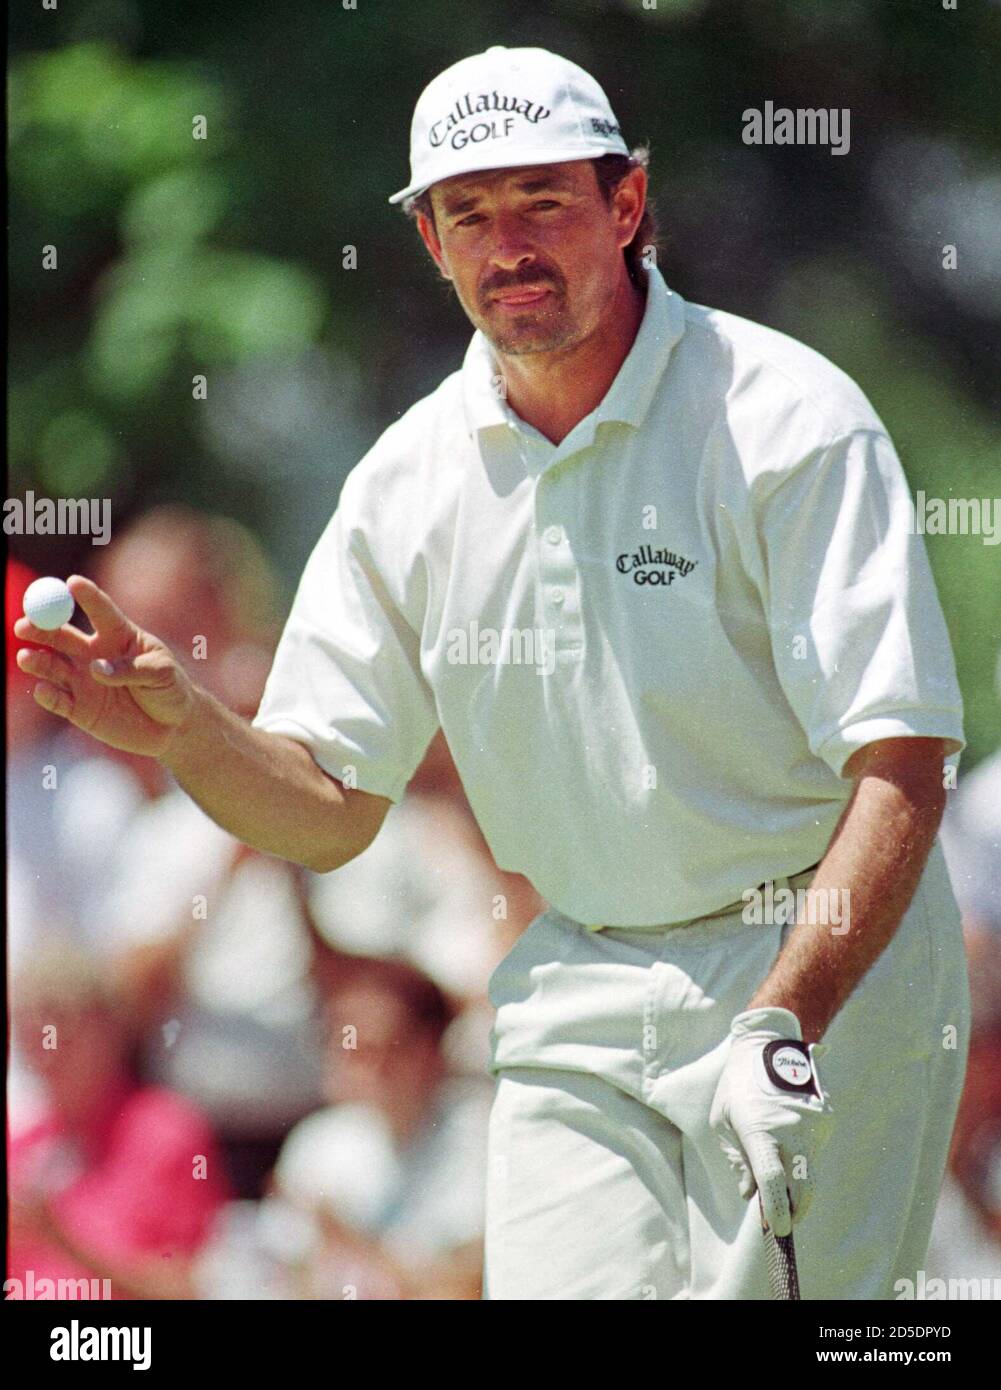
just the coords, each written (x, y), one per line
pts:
(549, 279)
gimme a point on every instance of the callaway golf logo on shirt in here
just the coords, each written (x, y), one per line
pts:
(649, 566)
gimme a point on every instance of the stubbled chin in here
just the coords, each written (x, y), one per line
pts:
(540, 337)
(540, 328)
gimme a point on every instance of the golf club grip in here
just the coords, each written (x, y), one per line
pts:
(780, 1254)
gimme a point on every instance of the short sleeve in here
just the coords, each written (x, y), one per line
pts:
(346, 678)
(859, 640)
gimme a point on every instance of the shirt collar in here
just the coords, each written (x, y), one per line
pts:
(627, 399)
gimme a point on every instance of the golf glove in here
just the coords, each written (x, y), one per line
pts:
(771, 1114)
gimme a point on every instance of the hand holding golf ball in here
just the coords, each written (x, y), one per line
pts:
(121, 684)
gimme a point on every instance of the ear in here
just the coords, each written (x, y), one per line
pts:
(430, 239)
(628, 203)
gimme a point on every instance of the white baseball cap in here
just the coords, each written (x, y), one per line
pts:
(505, 107)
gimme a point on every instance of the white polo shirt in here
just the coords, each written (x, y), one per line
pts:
(653, 647)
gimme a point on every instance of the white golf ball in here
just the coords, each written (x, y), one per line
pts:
(48, 604)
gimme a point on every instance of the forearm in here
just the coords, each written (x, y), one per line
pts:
(877, 855)
(266, 789)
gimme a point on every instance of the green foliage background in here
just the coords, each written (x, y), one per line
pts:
(225, 256)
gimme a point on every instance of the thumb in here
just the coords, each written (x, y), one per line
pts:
(769, 1170)
(150, 669)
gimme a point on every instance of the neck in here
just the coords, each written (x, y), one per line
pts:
(554, 391)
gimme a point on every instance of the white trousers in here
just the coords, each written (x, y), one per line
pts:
(604, 1179)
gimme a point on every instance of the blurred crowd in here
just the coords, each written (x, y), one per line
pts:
(230, 1078)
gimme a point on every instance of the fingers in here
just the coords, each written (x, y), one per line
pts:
(106, 618)
(746, 1184)
(66, 639)
(801, 1194)
(803, 1185)
(151, 670)
(743, 1174)
(52, 667)
(54, 699)
(54, 691)
(784, 1180)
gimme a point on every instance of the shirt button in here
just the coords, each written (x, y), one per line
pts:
(557, 596)
(554, 535)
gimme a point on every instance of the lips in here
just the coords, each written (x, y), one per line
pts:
(521, 298)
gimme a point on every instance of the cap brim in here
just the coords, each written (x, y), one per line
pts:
(490, 160)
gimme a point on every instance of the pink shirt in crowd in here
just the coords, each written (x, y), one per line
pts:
(135, 1191)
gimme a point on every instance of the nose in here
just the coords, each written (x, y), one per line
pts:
(511, 248)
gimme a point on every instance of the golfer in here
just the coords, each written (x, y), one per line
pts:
(653, 570)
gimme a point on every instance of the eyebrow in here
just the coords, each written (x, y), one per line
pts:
(538, 183)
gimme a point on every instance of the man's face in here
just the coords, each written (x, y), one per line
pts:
(534, 253)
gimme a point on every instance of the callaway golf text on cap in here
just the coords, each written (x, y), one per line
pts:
(503, 108)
